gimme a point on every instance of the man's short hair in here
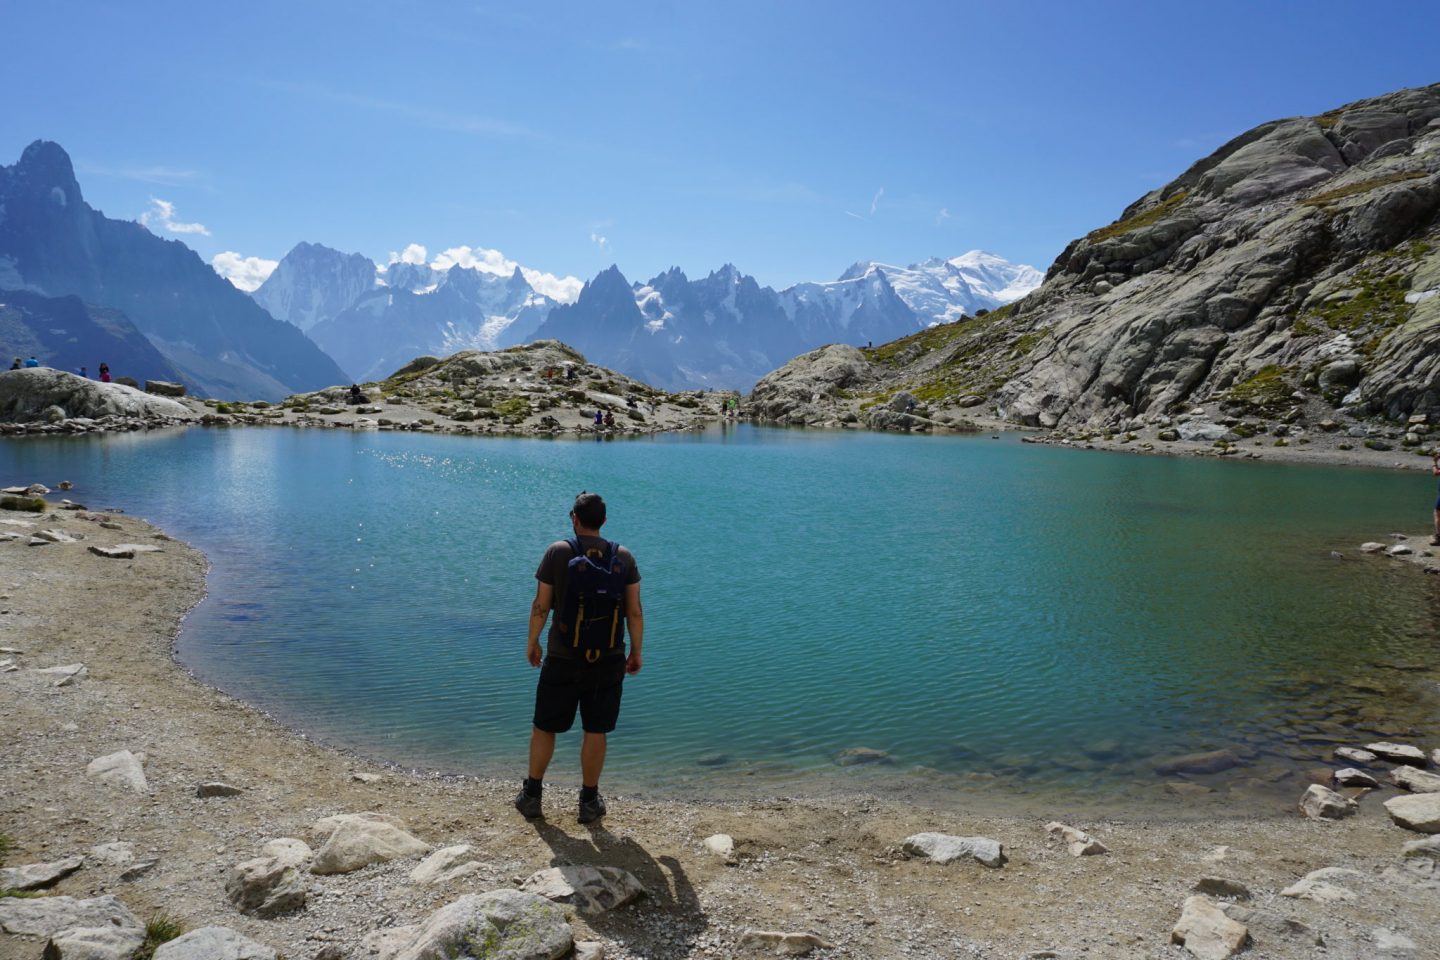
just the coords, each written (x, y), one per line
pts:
(589, 509)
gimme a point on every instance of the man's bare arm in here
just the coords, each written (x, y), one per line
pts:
(539, 613)
(635, 623)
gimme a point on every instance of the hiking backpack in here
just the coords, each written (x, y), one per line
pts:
(592, 614)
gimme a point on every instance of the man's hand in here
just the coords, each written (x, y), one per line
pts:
(633, 663)
(532, 652)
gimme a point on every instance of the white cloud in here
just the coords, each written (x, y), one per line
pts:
(875, 202)
(943, 215)
(600, 241)
(414, 253)
(487, 260)
(162, 214)
(247, 273)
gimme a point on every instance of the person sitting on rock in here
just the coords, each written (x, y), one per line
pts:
(32, 362)
(609, 419)
(356, 397)
(599, 417)
(17, 364)
(104, 373)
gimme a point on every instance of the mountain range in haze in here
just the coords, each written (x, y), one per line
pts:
(722, 331)
(56, 247)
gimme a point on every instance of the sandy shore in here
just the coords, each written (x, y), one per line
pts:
(830, 866)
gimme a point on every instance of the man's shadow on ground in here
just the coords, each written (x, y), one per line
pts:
(667, 887)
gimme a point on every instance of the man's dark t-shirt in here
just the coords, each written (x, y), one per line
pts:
(554, 568)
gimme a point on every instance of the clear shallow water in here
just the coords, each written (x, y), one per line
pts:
(982, 610)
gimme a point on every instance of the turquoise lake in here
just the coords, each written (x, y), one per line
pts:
(991, 614)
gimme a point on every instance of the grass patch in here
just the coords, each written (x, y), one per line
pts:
(32, 504)
(513, 407)
(1266, 392)
(1381, 300)
(159, 929)
(1365, 186)
(1154, 215)
(22, 894)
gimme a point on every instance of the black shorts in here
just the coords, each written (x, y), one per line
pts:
(567, 684)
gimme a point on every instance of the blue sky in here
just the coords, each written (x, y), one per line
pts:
(790, 138)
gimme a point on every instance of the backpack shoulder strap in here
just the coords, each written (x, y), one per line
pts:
(574, 544)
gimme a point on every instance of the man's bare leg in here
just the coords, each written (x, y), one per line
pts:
(542, 748)
(1436, 539)
(592, 758)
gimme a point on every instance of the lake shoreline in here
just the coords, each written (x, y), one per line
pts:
(790, 851)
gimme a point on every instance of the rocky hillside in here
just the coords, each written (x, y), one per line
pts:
(1297, 267)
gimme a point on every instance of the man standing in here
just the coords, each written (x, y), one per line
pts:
(573, 676)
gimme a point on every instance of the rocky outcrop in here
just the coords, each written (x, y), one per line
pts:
(507, 922)
(1300, 261)
(42, 394)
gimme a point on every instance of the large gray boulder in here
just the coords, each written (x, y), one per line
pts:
(809, 389)
(266, 887)
(53, 916)
(37, 876)
(25, 395)
(95, 943)
(944, 848)
(1206, 932)
(213, 943)
(358, 840)
(1419, 812)
(590, 890)
(499, 925)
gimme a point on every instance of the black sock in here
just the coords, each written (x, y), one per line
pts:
(533, 787)
(588, 794)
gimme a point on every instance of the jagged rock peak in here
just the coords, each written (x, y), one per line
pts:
(44, 165)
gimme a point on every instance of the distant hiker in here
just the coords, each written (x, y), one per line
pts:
(356, 397)
(1435, 472)
(104, 373)
(17, 364)
(599, 417)
(32, 362)
(85, 373)
(609, 419)
(593, 585)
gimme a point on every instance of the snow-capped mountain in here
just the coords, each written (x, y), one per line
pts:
(944, 290)
(432, 312)
(726, 331)
(723, 330)
(314, 283)
(373, 319)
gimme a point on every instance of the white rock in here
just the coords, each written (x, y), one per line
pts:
(37, 876)
(297, 853)
(1207, 932)
(1399, 550)
(95, 943)
(366, 777)
(1316, 886)
(589, 950)
(1350, 777)
(1355, 755)
(445, 864)
(1080, 843)
(590, 890)
(213, 943)
(722, 845)
(112, 553)
(48, 916)
(138, 547)
(1398, 752)
(1426, 847)
(359, 840)
(266, 887)
(791, 944)
(1387, 941)
(1322, 803)
(55, 536)
(1419, 812)
(63, 676)
(1372, 547)
(120, 769)
(116, 854)
(1415, 780)
(217, 788)
(510, 923)
(943, 848)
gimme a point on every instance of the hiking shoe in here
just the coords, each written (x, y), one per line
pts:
(592, 810)
(528, 806)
